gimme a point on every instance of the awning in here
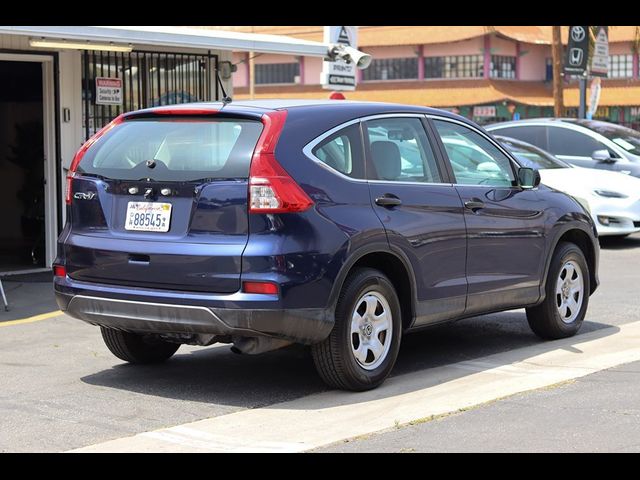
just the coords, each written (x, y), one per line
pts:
(458, 93)
(182, 37)
(372, 36)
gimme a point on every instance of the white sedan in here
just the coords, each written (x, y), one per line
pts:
(612, 198)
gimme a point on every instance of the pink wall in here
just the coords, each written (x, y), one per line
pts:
(501, 46)
(473, 46)
(240, 76)
(620, 48)
(274, 58)
(392, 52)
(312, 69)
(533, 61)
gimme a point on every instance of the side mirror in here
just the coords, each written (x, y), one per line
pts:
(603, 156)
(528, 177)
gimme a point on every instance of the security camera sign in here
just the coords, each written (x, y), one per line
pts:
(108, 91)
(338, 74)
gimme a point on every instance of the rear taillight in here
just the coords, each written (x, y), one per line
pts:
(59, 271)
(271, 189)
(265, 288)
(80, 153)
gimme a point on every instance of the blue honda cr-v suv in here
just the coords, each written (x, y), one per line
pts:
(339, 225)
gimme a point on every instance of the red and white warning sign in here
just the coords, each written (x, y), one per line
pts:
(108, 91)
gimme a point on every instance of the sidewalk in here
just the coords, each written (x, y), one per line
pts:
(595, 413)
(28, 295)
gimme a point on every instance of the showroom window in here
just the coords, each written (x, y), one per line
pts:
(621, 66)
(391, 69)
(458, 66)
(267, 73)
(503, 66)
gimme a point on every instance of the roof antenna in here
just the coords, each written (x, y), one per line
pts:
(225, 98)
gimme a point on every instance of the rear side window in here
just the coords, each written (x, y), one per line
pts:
(534, 134)
(342, 151)
(401, 151)
(174, 150)
(563, 141)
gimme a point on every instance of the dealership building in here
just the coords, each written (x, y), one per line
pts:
(58, 85)
(487, 74)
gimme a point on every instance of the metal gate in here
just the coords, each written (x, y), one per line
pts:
(148, 79)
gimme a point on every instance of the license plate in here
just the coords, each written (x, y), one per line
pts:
(148, 216)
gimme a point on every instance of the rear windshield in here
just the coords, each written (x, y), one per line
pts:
(174, 150)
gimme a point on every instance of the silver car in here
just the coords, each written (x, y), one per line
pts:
(585, 143)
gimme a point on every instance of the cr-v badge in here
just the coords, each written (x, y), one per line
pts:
(84, 196)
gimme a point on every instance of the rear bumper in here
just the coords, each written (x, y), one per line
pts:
(151, 314)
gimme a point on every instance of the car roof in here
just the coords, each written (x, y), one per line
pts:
(279, 104)
(590, 124)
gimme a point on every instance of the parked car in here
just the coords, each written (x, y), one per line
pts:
(612, 198)
(339, 225)
(585, 143)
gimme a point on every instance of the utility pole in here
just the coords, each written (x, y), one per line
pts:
(556, 52)
(252, 76)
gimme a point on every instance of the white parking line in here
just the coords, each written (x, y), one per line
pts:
(328, 417)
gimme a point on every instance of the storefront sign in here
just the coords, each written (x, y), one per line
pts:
(108, 91)
(600, 58)
(575, 62)
(484, 111)
(338, 74)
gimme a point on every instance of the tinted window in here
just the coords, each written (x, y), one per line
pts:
(624, 137)
(400, 151)
(474, 159)
(532, 157)
(342, 151)
(535, 135)
(181, 150)
(563, 141)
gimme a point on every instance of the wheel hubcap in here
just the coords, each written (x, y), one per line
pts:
(569, 291)
(371, 330)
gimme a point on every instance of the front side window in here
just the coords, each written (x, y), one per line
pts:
(563, 141)
(342, 151)
(474, 159)
(533, 134)
(401, 152)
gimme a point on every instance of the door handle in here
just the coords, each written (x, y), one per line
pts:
(474, 204)
(388, 200)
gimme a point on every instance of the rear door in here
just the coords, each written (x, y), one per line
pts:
(421, 212)
(505, 223)
(162, 202)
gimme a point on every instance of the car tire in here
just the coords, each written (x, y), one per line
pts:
(138, 349)
(363, 346)
(562, 312)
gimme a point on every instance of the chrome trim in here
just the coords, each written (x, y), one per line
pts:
(135, 302)
(307, 149)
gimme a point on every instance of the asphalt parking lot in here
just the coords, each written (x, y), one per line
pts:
(62, 389)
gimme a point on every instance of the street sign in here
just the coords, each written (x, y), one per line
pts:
(575, 62)
(108, 91)
(484, 111)
(338, 74)
(600, 58)
(596, 88)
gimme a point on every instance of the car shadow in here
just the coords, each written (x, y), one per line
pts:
(617, 243)
(218, 376)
